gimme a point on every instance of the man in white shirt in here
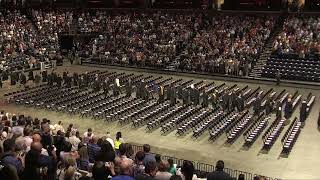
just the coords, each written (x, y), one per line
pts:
(87, 136)
(74, 141)
(37, 138)
(58, 127)
(109, 139)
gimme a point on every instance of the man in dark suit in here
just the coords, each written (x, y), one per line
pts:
(288, 109)
(96, 84)
(196, 96)
(257, 105)
(269, 106)
(179, 92)
(205, 99)
(30, 76)
(59, 81)
(173, 95)
(37, 79)
(225, 100)
(278, 77)
(105, 86)
(13, 78)
(44, 76)
(219, 173)
(49, 79)
(232, 100)
(303, 112)
(23, 79)
(75, 79)
(64, 76)
(240, 103)
(185, 96)
(69, 81)
(129, 88)
(169, 91)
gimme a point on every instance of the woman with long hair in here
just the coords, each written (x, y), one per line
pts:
(106, 153)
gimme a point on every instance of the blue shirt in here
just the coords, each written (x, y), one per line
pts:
(12, 160)
(148, 158)
(122, 177)
(93, 150)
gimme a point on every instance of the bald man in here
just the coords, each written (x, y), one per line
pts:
(125, 170)
(44, 160)
(36, 139)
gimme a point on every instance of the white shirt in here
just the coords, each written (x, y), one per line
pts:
(58, 127)
(74, 142)
(111, 142)
(28, 140)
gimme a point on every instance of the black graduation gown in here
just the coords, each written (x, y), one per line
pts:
(129, 88)
(205, 99)
(288, 110)
(303, 112)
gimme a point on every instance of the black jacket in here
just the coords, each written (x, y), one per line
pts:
(218, 175)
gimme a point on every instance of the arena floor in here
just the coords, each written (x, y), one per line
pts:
(302, 162)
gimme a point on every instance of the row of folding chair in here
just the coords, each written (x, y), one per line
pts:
(194, 121)
(253, 132)
(91, 107)
(41, 97)
(103, 111)
(291, 137)
(307, 61)
(166, 116)
(50, 101)
(169, 126)
(218, 128)
(200, 128)
(21, 98)
(126, 109)
(294, 63)
(237, 129)
(26, 90)
(270, 138)
(147, 117)
(126, 118)
(73, 105)
(81, 104)
(58, 104)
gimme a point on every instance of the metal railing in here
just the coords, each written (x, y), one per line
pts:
(202, 169)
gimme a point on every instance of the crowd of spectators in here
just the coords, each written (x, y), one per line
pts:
(22, 46)
(146, 39)
(35, 149)
(300, 35)
(17, 40)
(228, 44)
(193, 42)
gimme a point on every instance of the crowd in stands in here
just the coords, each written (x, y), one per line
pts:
(228, 44)
(191, 42)
(146, 39)
(23, 46)
(35, 149)
(300, 35)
